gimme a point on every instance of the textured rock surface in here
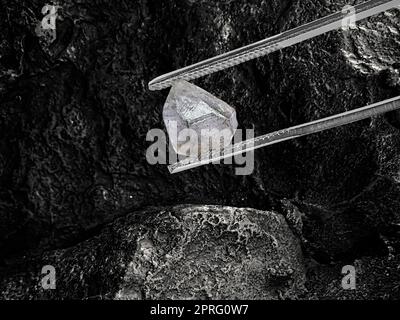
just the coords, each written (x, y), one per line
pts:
(186, 252)
(74, 116)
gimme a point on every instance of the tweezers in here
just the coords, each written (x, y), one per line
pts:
(264, 47)
(289, 133)
(274, 43)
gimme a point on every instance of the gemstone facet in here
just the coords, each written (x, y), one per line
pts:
(190, 110)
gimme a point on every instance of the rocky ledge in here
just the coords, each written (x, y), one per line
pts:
(184, 252)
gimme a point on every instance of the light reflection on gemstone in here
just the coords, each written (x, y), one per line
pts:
(190, 107)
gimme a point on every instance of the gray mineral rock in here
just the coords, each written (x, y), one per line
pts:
(184, 252)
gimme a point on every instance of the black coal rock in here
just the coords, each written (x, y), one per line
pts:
(75, 111)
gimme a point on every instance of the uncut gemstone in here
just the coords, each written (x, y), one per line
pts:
(190, 107)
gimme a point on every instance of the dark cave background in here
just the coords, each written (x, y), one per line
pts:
(76, 191)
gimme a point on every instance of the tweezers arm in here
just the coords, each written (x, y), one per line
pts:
(289, 133)
(274, 43)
